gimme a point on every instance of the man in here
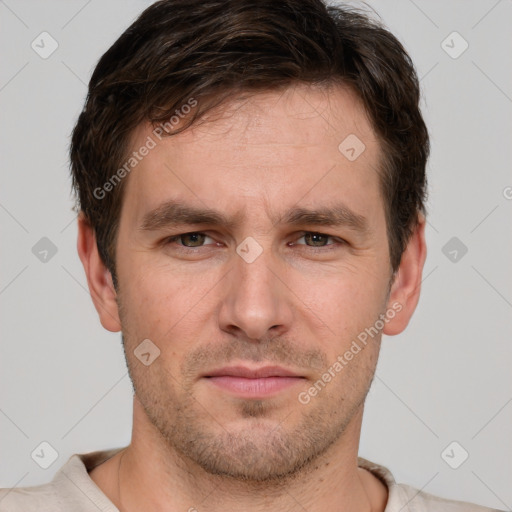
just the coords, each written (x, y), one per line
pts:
(251, 186)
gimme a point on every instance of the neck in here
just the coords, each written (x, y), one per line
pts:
(149, 474)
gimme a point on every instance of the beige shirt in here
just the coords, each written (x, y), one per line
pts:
(73, 490)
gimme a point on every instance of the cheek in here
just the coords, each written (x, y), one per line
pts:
(164, 305)
(343, 301)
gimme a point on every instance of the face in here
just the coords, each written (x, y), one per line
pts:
(251, 241)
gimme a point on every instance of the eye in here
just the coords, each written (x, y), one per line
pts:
(197, 239)
(313, 239)
(191, 240)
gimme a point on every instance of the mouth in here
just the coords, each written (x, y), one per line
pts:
(253, 383)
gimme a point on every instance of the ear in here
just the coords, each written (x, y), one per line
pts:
(99, 278)
(406, 287)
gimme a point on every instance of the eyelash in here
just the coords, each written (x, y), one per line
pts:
(329, 247)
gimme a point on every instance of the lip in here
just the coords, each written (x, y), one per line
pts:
(253, 383)
(256, 373)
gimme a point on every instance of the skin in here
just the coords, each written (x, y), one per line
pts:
(299, 305)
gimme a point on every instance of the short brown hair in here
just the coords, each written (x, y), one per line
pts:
(182, 49)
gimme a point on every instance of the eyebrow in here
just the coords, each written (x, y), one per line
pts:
(176, 213)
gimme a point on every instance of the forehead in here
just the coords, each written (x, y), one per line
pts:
(274, 148)
(299, 116)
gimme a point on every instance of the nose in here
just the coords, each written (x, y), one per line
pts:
(256, 302)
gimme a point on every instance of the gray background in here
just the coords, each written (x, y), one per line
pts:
(447, 378)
